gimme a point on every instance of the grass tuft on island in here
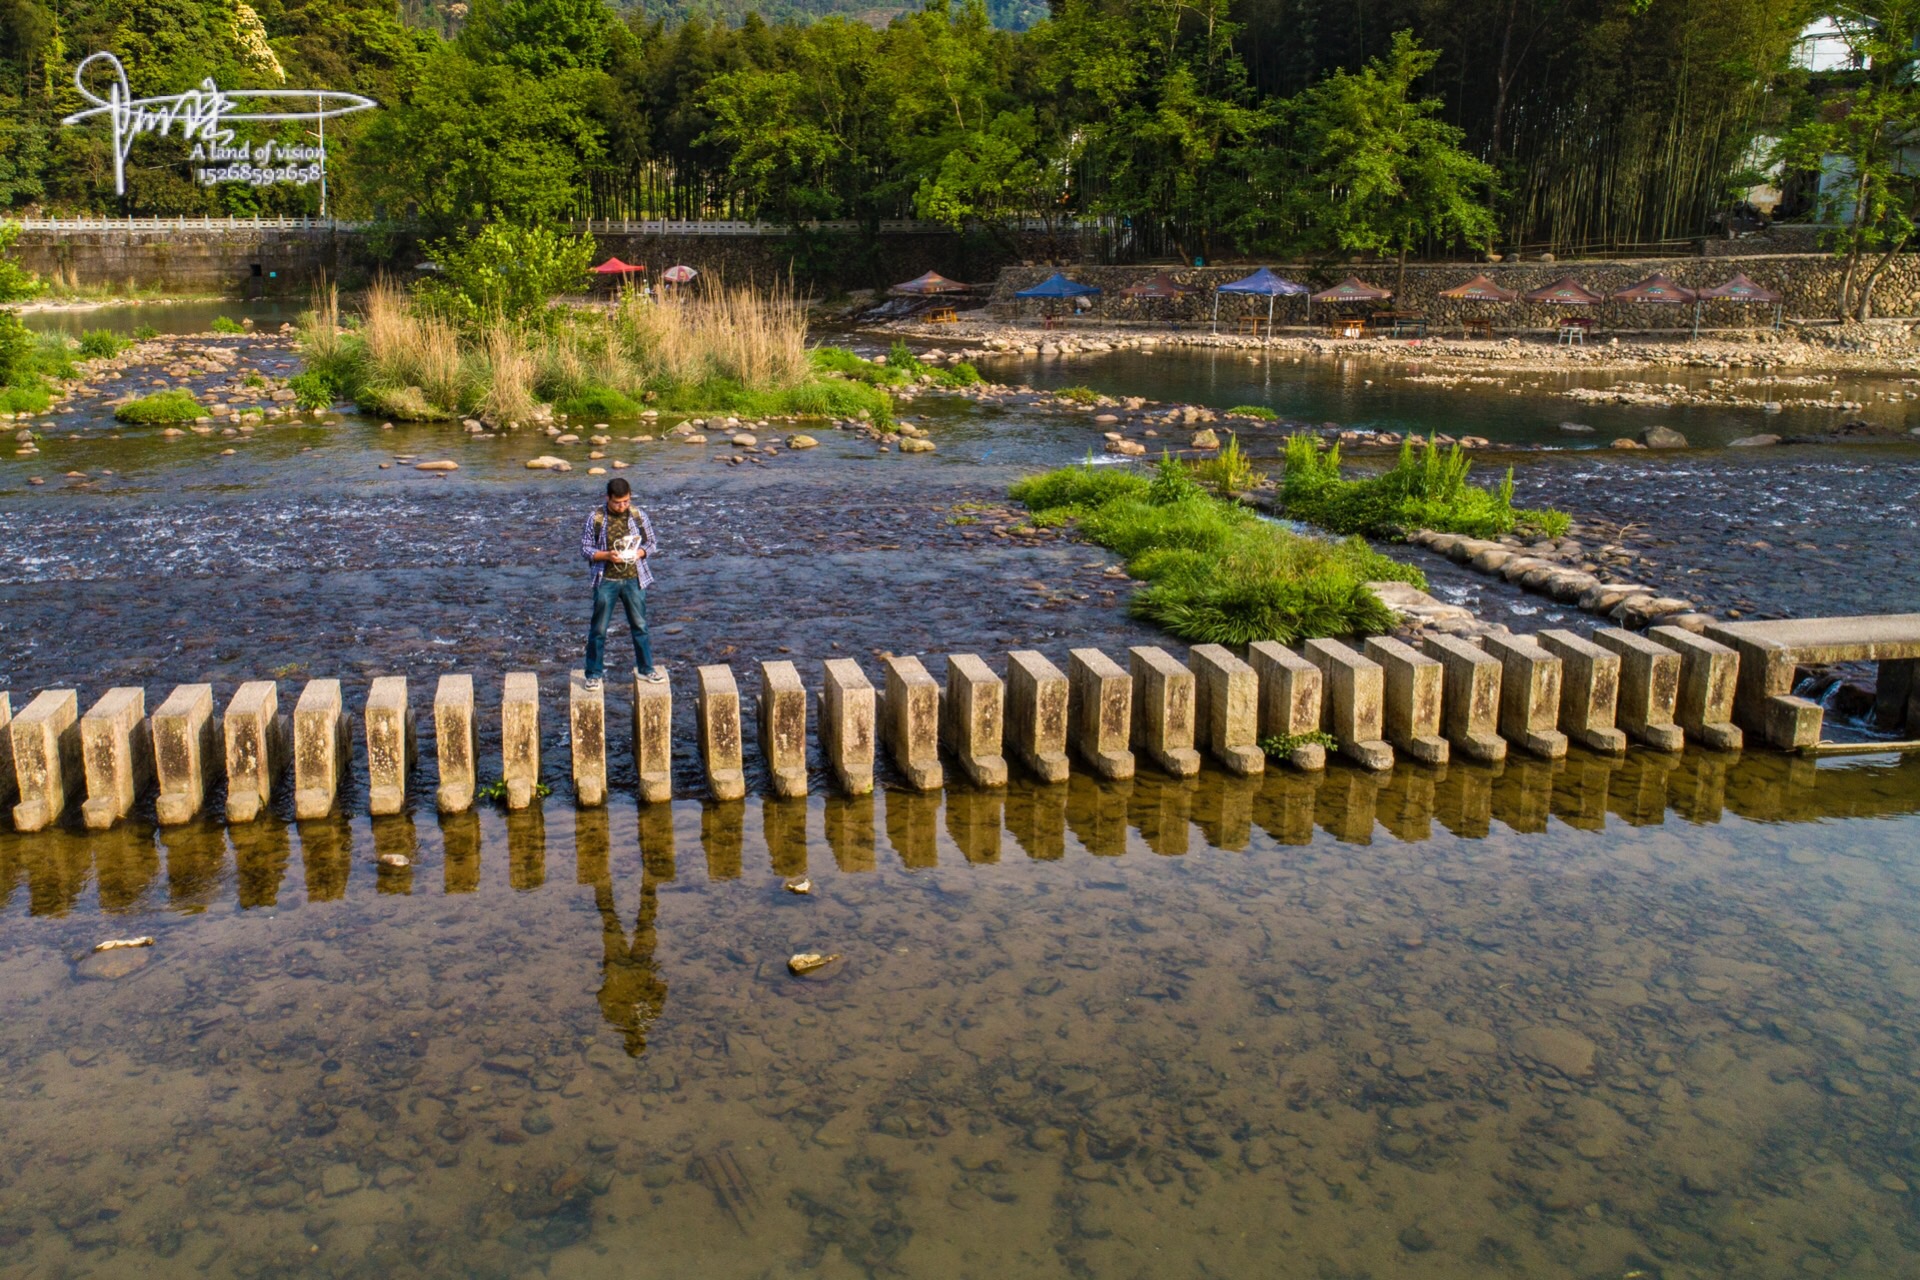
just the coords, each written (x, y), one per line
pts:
(728, 350)
(1216, 572)
(160, 408)
(899, 368)
(1425, 489)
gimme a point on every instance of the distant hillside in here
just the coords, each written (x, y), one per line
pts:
(1013, 15)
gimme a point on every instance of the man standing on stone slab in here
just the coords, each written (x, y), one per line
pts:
(618, 544)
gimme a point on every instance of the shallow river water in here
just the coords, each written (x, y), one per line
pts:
(1651, 1017)
(1590, 1020)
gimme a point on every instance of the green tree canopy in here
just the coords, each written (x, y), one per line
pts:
(1363, 166)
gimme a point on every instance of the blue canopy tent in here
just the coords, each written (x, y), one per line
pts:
(1261, 283)
(1056, 287)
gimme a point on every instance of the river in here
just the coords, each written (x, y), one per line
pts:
(1596, 1018)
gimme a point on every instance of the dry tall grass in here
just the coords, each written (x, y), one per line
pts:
(755, 339)
(512, 367)
(409, 347)
(409, 361)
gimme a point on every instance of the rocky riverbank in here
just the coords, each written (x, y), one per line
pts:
(1883, 348)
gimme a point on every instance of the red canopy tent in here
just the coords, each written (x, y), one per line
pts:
(615, 267)
(1564, 292)
(932, 282)
(1480, 289)
(1658, 287)
(1353, 289)
(1738, 289)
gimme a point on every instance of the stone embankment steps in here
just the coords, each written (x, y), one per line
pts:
(1566, 571)
(1480, 696)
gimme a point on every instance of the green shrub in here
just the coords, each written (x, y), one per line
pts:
(848, 364)
(101, 344)
(1079, 395)
(17, 347)
(52, 357)
(1227, 471)
(1083, 486)
(507, 272)
(902, 367)
(406, 404)
(226, 324)
(597, 402)
(145, 333)
(1217, 572)
(26, 397)
(1259, 411)
(1281, 745)
(1546, 523)
(314, 389)
(161, 407)
(1426, 489)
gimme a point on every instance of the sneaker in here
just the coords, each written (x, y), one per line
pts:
(591, 684)
(655, 676)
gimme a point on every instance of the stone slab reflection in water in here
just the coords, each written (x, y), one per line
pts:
(1564, 1053)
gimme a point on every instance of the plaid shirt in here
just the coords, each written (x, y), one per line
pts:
(594, 538)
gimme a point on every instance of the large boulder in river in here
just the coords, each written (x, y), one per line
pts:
(1662, 438)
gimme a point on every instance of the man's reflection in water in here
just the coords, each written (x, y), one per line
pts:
(631, 992)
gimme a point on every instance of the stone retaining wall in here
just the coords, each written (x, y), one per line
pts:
(237, 261)
(246, 261)
(1809, 282)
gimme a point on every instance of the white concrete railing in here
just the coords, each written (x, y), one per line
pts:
(721, 227)
(184, 223)
(603, 226)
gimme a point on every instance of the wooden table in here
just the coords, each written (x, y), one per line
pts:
(1479, 327)
(1250, 324)
(940, 315)
(1347, 327)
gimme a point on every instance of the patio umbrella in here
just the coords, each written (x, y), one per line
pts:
(1738, 289)
(932, 282)
(1262, 282)
(1480, 289)
(1565, 292)
(678, 275)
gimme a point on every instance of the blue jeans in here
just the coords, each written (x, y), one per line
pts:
(634, 600)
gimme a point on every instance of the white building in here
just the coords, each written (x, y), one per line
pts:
(1831, 43)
